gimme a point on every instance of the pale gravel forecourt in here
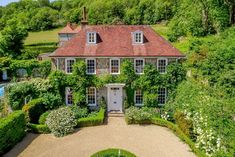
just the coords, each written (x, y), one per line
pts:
(142, 140)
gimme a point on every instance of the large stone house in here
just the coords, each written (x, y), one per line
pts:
(103, 48)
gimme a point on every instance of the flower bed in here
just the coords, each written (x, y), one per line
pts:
(113, 153)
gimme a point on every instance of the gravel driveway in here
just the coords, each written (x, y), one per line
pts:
(144, 141)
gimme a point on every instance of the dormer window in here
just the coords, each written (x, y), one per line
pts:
(91, 37)
(138, 37)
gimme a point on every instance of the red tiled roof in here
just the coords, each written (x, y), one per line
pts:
(116, 41)
(70, 29)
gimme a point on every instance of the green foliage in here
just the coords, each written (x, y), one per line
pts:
(38, 128)
(33, 110)
(52, 101)
(17, 94)
(149, 83)
(58, 80)
(12, 130)
(179, 133)
(184, 124)
(134, 115)
(43, 117)
(92, 120)
(61, 121)
(79, 112)
(114, 153)
(210, 112)
(11, 39)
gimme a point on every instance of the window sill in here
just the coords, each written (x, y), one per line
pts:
(92, 105)
(139, 105)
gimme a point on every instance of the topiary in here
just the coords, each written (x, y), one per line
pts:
(61, 121)
(43, 117)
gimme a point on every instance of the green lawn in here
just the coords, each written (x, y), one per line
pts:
(50, 36)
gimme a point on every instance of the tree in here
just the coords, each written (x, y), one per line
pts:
(12, 37)
(231, 5)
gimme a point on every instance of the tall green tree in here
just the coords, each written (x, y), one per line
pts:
(11, 39)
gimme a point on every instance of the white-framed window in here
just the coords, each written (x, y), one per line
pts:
(91, 96)
(91, 66)
(91, 37)
(138, 37)
(139, 98)
(69, 96)
(69, 65)
(114, 66)
(162, 65)
(162, 94)
(139, 66)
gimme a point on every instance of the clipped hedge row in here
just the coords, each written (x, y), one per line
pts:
(92, 121)
(179, 133)
(33, 110)
(12, 130)
(38, 128)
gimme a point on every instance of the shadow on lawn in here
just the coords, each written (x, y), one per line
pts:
(21, 146)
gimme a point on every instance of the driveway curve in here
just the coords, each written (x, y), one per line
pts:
(144, 141)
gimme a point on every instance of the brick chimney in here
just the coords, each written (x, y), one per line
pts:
(84, 21)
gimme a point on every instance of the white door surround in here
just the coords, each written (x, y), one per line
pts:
(115, 96)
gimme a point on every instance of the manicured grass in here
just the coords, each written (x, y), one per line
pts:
(161, 29)
(50, 36)
(113, 153)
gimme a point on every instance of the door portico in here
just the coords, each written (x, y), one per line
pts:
(115, 97)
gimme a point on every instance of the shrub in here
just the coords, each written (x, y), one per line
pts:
(79, 112)
(52, 101)
(184, 124)
(33, 110)
(17, 93)
(12, 130)
(38, 128)
(179, 133)
(92, 120)
(43, 117)
(136, 115)
(61, 121)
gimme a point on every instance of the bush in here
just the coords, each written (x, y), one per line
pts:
(52, 101)
(143, 115)
(17, 93)
(33, 110)
(43, 117)
(61, 121)
(38, 128)
(113, 153)
(12, 130)
(92, 120)
(184, 124)
(179, 133)
(79, 112)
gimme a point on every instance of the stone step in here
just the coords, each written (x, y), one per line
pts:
(115, 114)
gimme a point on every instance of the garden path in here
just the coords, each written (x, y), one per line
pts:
(142, 140)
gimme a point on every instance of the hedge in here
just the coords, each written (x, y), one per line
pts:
(38, 128)
(179, 133)
(92, 121)
(12, 130)
(33, 110)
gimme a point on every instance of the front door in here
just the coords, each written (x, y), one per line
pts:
(115, 99)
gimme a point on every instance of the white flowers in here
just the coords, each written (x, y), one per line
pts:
(165, 116)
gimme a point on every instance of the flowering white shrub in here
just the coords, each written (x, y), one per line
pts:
(61, 121)
(206, 138)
